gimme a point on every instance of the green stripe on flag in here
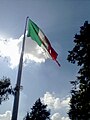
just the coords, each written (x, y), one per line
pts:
(33, 31)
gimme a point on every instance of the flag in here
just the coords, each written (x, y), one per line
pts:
(38, 36)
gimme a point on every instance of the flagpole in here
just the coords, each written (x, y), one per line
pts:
(17, 88)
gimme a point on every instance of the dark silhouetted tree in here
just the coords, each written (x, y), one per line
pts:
(80, 93)
(5, 89)
(38, 112)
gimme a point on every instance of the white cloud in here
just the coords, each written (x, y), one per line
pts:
(34, 52)
(65, 102)
(6, 116)
(48, 99)
(65, 118)
(56, 116)
(10, 49)
(55, 102)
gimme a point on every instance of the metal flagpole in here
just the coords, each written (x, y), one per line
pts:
(17, 88)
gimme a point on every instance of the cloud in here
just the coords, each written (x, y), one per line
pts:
(55, 102)
(65, 102)
(34, 52)
(10, 50)
(65, 118)
(6, 116)
(48, 99)
(57, 116)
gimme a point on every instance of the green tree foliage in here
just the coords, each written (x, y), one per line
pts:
(5, 89)
(80, 93)
(38, 112)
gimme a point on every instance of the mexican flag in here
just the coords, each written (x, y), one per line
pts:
(38, 36)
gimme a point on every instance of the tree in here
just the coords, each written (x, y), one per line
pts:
(80, 93)
(5, 89)
(38, 112)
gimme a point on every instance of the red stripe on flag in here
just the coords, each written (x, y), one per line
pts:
(51, 51)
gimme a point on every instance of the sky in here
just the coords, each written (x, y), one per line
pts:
(60, 20)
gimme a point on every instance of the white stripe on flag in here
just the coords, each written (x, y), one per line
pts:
(42, 37)
(46, 52)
